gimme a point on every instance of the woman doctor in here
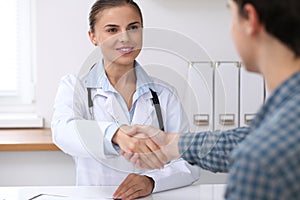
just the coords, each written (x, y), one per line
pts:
(90, 112)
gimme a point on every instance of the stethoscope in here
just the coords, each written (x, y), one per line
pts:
(90, 103)
(155, 101)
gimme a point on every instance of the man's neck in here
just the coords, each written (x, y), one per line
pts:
(277, 63)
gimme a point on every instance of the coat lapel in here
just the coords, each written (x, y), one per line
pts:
(144, 110)
(114, 108)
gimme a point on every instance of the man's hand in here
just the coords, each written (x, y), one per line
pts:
(155, 159)
(134, 186)
(131, 141)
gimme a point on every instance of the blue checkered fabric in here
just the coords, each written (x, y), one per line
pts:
(263, 160)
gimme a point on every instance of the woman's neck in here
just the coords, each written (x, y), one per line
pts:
(120, 74)
(123, 79)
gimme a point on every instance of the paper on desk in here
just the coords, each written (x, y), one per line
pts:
(60, 197)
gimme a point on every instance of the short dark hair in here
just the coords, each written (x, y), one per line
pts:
(101, 5)
(281, 19)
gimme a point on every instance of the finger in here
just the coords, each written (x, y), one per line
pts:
(155, 158)
(122, 152)
(144, 186)
(150, 161)
(148, 130)
(128, 130)
(134, 158)
(127, 155)
(139, 164)
(148, 158)
(123, 187)
(143, 147)
(161, 156)
(152, 146)
(142, 129)
(130, 187)
(135, 195)
(155, 134)
(132, 192)
(117, 193)
(129, 144)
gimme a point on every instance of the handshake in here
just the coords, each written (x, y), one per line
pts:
(146, 147)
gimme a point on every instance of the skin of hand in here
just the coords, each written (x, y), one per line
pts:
(134, 186)
(131, 142)
(156, 159)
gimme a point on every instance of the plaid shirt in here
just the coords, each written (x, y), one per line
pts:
(263, 160)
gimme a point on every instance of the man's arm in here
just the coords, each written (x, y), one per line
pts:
(209, 150)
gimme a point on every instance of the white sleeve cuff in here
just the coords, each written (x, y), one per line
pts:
(177, 174)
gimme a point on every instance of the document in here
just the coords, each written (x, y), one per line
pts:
(61, 197)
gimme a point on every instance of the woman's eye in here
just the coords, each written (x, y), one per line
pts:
(133, 28)
(112, 30)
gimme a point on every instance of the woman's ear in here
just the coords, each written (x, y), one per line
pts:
(93, 38)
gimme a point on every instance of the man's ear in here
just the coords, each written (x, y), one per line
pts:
(253, 24)
(92, 38)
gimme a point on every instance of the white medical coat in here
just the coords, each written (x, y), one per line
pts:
(87, 138)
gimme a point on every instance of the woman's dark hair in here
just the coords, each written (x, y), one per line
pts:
(281, 19)
(101, 5)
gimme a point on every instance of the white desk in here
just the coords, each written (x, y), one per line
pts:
(195, 191)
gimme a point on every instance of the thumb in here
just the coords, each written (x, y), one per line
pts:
(155, 134)
(128, 130)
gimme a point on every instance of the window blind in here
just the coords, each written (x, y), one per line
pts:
(17, 105)
(16, 52)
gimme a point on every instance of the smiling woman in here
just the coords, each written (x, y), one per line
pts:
(117, 92)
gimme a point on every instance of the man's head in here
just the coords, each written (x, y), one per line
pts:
(281, 19)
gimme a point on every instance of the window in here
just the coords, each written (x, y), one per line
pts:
(16, 66)
(16, 53)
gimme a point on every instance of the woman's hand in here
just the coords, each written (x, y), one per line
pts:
(132, 142)
(134, 186)
(167, 149)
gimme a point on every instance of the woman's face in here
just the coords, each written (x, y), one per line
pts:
(118, 31)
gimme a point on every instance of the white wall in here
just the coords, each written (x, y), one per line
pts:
(62, 43)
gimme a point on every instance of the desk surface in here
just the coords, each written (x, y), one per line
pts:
(26, 140)
(195, 191)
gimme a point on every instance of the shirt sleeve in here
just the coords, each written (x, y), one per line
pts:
(211, 150)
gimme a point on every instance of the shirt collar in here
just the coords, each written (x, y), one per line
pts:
(97, 78)
(285, 91)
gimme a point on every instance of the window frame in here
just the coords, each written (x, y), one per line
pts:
(18, 109)
(23, 100)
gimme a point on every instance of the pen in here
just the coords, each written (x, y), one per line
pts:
(54, 195)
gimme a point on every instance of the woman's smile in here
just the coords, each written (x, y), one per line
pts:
(125, 50)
